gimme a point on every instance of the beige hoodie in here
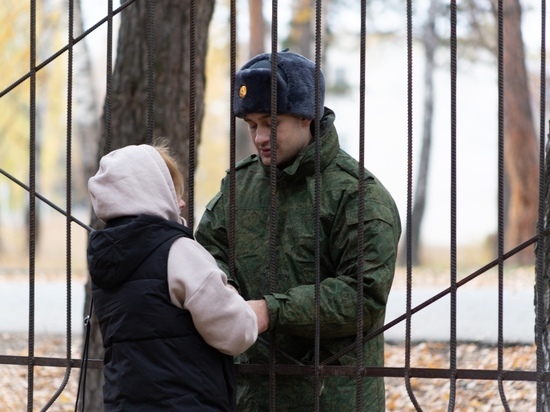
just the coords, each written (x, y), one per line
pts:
(135, 180)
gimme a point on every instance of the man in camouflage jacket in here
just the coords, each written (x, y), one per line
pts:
(288, 310)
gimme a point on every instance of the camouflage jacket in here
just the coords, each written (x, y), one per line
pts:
(291, 301)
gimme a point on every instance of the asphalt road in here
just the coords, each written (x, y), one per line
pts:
(50, 307)
(476, 315)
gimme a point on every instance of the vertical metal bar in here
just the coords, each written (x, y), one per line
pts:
(500, 342)
(68, 217)
(68, 178)
(273, 197)
(361, 211)
(541, 331)
(150, 69)
(408, 386)
(317, 200)
(192, 51)
(109, 78)
(453, 245)
(232, 139)
(32, 204)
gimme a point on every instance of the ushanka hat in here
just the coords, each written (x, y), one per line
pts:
(295, 86)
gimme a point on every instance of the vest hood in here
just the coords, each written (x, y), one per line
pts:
(115, 252)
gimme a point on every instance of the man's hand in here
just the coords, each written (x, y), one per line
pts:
(260, 308)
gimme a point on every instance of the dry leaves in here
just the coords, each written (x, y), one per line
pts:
(471, 395)
(46, 380)
(432, 395)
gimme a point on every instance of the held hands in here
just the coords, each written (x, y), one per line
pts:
(260, 308)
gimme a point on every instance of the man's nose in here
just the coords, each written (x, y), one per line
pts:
(263, 135)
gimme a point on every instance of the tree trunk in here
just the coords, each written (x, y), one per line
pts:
(256, 45)
(545, 303)
(302, 29)
(257, 28)
(128, 110)
(430, 46)
(86, 108)
(520, 144)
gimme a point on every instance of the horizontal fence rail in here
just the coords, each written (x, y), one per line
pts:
(327, 370)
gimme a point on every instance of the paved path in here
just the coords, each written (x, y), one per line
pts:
(50, 306)
(477, 312)
(477, 315)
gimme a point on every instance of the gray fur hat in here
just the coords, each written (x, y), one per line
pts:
(295, 86)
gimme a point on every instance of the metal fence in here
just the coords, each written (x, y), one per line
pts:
(541, 376)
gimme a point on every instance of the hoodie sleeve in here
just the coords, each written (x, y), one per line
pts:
(221, 316)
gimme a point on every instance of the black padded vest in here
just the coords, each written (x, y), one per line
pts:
(155, 360)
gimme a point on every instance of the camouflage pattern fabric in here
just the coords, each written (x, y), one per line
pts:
(291, 305)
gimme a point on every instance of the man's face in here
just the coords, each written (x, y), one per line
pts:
(293, 135)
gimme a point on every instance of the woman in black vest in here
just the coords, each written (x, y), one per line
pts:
(170, 322)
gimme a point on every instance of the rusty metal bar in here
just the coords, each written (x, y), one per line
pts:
(39, 196)
(254, 369)
(232, 136)
(317, 208)
(453, 272)
(396, 372)
(359, 355)
(109, 78)
(49, 361)
(501, 220)
(150, 27)
(68, 200)
(192, 117)
(541, 297)
(408, 233)
(273, 215)
(32, 205)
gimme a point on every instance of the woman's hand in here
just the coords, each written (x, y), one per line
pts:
(260, 308)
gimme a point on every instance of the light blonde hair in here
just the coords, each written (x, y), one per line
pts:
(171, 160)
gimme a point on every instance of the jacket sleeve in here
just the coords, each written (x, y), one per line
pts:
(221, 316)
(293, 311)
(212, 233)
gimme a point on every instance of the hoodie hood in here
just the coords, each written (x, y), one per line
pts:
(132, 181)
